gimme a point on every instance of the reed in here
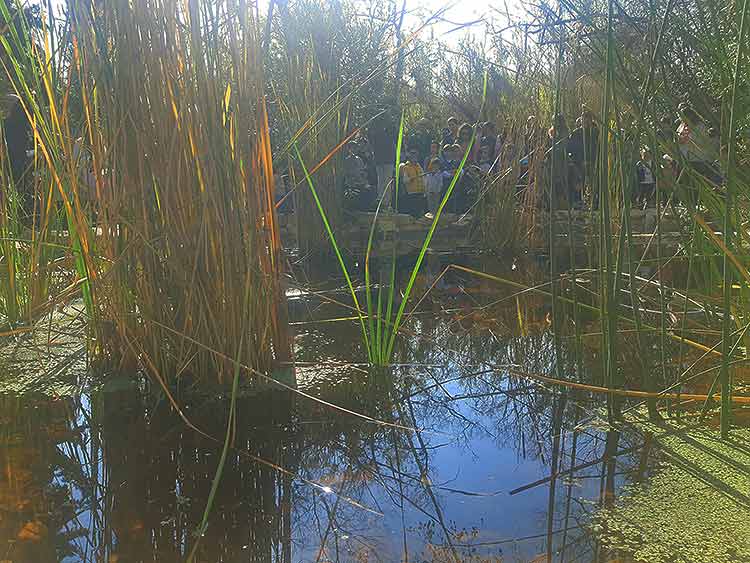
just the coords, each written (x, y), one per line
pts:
(152, 139)
(178, 129)
(638, 87)
(42, 222)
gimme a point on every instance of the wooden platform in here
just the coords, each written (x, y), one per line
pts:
(581, 228)
(395, 230)
(454, 233)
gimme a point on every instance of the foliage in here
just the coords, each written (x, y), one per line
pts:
(328, 76)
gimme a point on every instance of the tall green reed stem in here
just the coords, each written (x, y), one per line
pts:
(728, 275)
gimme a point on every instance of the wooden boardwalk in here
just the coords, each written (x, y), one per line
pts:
(581, 227)
(455, 234)
(396, 231)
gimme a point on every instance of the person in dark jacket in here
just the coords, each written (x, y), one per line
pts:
(453, 124)
(383, 136)
(583, 148)
(556, 160)
(420, 139)
(17, 131)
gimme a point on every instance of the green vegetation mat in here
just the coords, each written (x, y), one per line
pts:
(694, 509)
(51, 359)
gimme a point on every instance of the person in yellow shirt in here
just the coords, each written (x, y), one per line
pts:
(411, 196)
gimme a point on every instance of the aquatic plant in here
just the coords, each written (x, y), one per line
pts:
(383, 322)
(187, 189)
(39, 196)
(152, 138)
(664, 520)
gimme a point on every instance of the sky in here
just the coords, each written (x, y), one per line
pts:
(460, 13)
(454, 20)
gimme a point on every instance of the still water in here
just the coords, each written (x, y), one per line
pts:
(443, 458)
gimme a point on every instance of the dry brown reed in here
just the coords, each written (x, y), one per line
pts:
(187, 244)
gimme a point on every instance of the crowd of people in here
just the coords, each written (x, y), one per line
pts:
(427, 168)
(569, 162)
(431, 156)
(687, 142)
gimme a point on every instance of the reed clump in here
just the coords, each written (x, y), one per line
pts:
(43, 238)
(176, 122)
(153, 140)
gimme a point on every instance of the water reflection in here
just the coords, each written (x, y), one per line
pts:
(113, 478)
(501, 467)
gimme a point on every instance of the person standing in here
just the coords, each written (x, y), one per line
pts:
(364, 151)
(433, 185)
(465, 133)
(420, 139)
(434, 153)
(698, 147)
(699, 151)
(453, 124)
(646, 180)
(583, 147)
(411, 196)
(383, 135)
(491, 139)
(486, 160)
(357, 193)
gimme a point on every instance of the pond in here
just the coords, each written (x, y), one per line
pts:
(447, 456)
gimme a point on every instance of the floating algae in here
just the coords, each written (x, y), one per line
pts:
(695, 509)
(51, 359)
